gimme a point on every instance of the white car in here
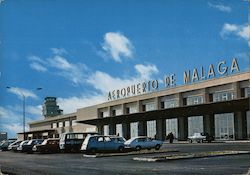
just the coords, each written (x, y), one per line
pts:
(143, 142)
(198, 137)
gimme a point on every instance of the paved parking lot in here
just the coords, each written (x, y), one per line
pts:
(19, 163)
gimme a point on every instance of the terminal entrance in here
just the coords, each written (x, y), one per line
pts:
(224, 126)
(151, 128)
(195, 125)
(134, 129)
(172, 126)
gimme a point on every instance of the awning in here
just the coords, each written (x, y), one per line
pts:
(211, 108)
(38, 131)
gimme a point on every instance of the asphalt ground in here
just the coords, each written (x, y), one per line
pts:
(36, 164)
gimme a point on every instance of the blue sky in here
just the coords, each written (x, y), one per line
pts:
(79, 50)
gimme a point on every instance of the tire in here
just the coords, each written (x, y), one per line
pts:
(93, 150)
(121, 149)
(157, 147)
(138, 148)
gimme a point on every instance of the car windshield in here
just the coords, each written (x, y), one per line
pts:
(30, 142)
(45, 142)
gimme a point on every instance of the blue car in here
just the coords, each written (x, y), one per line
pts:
(101, 143)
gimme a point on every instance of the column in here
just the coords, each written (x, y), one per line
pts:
(208, 124)
(182, 128)
(142, 128)
(160, 129)
(238, 125)
(126, 130)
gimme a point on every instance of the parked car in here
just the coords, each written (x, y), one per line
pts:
(14, 145)
(50, 145)
(100, 143)
(200, 138)
(20, 146)
(143, 142)
(28, 147)
(4, 144)
(72, 142)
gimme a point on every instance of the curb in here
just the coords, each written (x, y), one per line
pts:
(190, 156)
(127, 154)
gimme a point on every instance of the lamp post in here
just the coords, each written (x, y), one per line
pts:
(23, 100)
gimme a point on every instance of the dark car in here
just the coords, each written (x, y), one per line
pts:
(4, 144)
(48, 146)
(209, 138)
(28, 147)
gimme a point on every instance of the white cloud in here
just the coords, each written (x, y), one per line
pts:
(20, 92)
(220, 7)
(241, 31)
(59, 51)
(117, 45)
(146, 71)
(76, 73)
(34, 110)
(34, 58)
(15, 127)
(38, 67)
(71, 104)
(105, 82)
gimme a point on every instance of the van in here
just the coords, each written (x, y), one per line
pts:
(101, 143)
(71, 142)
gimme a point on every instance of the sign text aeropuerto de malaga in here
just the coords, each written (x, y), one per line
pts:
(189, 77)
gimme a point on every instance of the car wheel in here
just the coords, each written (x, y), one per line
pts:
(93, 150)
(138, 148)
(121, 149)
(157, 147)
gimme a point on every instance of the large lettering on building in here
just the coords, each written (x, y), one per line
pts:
(201, 74)
(222, 68)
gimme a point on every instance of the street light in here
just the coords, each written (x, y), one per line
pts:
(8, 87)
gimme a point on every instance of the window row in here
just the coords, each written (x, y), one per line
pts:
(62, 124)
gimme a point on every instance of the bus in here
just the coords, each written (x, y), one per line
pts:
(72, 142)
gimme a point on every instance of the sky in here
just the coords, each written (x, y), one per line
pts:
(80, 50)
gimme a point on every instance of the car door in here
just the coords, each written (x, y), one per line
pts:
(108, 144)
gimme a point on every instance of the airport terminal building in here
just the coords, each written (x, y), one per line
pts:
(217, 106)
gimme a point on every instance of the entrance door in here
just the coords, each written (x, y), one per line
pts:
(224, 126)
(172, 126)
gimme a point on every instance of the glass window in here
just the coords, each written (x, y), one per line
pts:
(172, 126)
(247, 92)
(134, 129)
(171, 103)
(151, 128)
(195, 125)
(248, 124)
(132, 109)
(105, 114)
(54, 125)
(60, 124)
(66, 123)
(74, 123)
(119, 130)
(224, 126)
(118, 112)
(194, 100)
(106, 129)
(150, 106)
(223, 96)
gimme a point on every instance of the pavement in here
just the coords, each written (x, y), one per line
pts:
(189, 156)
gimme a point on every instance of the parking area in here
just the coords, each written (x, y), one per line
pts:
(69, 163)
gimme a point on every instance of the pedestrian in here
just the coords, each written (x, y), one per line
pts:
(171, 137)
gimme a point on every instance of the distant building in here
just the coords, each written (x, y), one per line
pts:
(50, 107)
(3, 136)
